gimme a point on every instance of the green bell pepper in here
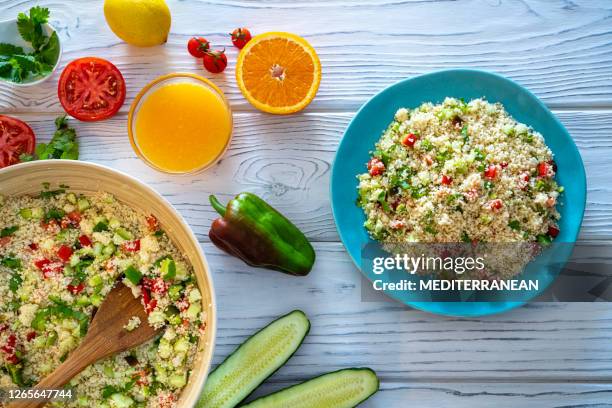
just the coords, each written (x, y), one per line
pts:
(253, 231)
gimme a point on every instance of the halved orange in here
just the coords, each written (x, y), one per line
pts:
(278, 72)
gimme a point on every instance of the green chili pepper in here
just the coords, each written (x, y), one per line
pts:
(253, 231)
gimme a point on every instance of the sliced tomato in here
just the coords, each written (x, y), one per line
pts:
(91, 89)
(16, 137)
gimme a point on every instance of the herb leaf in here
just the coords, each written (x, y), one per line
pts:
(30, 27)
(63, 145)
(15, 63)
(10, 49)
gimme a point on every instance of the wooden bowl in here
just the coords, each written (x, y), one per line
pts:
(88, 178)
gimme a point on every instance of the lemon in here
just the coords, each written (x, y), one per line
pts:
(143, 23)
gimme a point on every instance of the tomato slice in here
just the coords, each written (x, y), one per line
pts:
(91, 89)
(16, 137)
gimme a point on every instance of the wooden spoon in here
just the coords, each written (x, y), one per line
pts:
(106, 336)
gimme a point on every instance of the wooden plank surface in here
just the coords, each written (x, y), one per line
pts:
(499, 395)
(537, 342)
(557, 48)
(540, 355)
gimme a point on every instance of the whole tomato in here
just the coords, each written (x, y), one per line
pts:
(240, 37)
(215, 61)
(198, 46)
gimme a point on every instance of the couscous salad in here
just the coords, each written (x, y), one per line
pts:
(460, 172)
(60, 254)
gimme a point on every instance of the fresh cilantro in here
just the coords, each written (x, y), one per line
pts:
(63, 144)
(6, 50)
(15, 63)
(30, 27)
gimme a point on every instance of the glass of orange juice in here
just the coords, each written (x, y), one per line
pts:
(180, 123)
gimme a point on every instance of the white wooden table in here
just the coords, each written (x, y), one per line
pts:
(541, 355)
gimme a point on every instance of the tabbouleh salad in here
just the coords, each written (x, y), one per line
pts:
(60, 254)
(460, 172)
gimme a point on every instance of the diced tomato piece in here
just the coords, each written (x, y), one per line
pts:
(31, 336)
(75, 290)
(376, 167)
(13, 359)
(409, 140)
(183, 304)
(141, 377)
(545, 170)
(159, 286)
(3, 327)
(33, 246)
(4, 241)
(496, 204)
(11, 341)
(446, 180)
(152, 222)
(491, 172)
(397, 224)
(64, 253)
(41, 263)
(49, 226)
(131, 246)
(149, 307)
(553, 231)
(84, 241)
(503, 165)
(74, 217)
(155, 285)
(146, 296)
(148, 303)
(49, 268)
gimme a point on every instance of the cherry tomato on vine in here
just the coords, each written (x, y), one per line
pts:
(198, 46)
(240, 37)
(215, 61)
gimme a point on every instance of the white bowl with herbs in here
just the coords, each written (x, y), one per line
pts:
(30, 49)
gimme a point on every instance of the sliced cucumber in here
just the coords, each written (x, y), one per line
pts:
(254, 361)
(340, 389)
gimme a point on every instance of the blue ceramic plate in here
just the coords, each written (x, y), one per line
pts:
(373, 118)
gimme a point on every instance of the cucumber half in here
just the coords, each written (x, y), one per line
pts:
(340, 389)
(254, 361)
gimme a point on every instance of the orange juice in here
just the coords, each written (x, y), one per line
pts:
(180, 123)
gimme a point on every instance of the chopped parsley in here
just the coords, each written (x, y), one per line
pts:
(5, 232)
